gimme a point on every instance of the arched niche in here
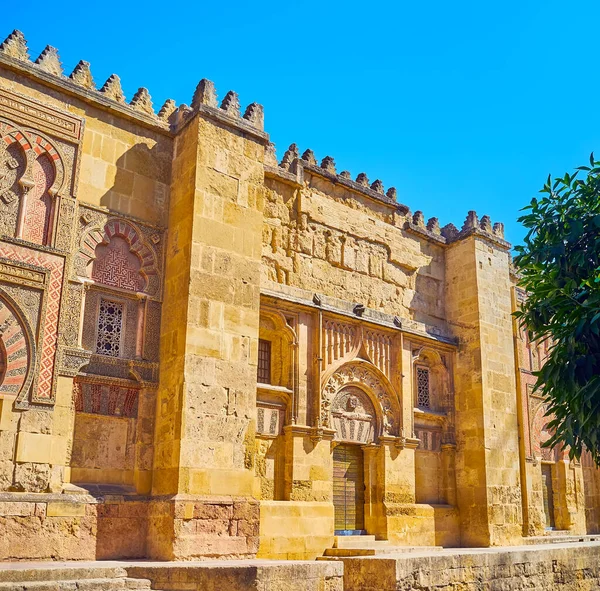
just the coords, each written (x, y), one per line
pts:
(370, 380)
(117, 256)
(39, 203)
(281, 338)
(431, 381)
(32, 175)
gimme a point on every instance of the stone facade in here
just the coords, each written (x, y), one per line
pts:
(205, 353)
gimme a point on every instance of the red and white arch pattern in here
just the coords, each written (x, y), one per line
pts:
(16, 349)
(132, 237)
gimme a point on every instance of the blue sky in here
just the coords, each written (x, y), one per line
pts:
(459, 105)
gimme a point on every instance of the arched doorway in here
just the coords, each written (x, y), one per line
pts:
(354, 420)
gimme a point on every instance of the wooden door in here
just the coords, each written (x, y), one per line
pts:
(548, 494)
(348, 488)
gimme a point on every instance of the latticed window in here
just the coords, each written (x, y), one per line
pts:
(110, 328)
(423, 388)
(264, 361)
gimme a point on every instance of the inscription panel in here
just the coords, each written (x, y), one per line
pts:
(46, 118)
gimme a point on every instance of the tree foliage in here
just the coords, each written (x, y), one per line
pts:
(559, 267)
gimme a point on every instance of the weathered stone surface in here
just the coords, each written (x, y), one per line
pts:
(192, 331)
(562, 567)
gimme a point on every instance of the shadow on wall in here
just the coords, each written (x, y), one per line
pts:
(426, 301)
(141, 182)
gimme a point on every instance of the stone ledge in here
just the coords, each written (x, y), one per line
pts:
(297, 295)
(552, 567)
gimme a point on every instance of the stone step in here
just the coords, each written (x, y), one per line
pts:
(85, 584)
(17, 572)
(559, 538)
(355, 541)
(383, 550)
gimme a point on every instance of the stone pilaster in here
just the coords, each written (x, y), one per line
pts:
(487, 457)
(207, 396)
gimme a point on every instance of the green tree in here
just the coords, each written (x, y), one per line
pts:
(559, 268)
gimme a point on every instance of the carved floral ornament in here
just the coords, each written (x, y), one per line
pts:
(17, 351)
(20, 151)
(368, 379)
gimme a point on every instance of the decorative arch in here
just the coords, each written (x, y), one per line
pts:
(282, 339)
(374, 383)
(34, 173)
(34, 145)
(17, 349)
(540, 433)
(439, 378)
(279, 323)
(119, 233)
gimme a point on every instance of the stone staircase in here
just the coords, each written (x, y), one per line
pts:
(353, 546)
(15, 577)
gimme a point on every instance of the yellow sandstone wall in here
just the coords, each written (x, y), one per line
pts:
(206, 407)
(479, 307)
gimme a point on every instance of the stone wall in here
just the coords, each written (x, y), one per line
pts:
(255, 575)
(330, 240)
(295, 530)
(566, 567)
(144, 256)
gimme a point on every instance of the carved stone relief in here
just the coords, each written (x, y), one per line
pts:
(353, 416)
(103, 399)
(117, 253)
(43, 271)
(366, 377)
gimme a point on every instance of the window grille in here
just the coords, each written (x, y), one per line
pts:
(110, 328)
(423, 388)
(264, 361)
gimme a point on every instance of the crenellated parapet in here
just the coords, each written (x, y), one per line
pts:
(450, 233)
(292, 166)
(171, 118)
(205, 100)
(14, 53)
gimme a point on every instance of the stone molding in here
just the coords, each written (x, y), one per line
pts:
(370, 316)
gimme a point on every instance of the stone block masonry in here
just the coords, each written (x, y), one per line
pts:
(551, 567)
(209, 353)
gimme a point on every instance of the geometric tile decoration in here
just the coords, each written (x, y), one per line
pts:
(117, 266)
(47, 356)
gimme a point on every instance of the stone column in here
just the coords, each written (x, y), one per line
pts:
(204, 446)
(448, 462)
(487, 457)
